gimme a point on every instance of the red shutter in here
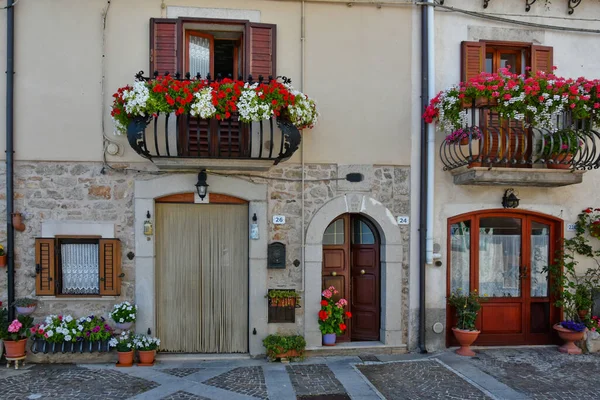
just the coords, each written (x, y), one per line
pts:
(110, 267)
(472, 59)
(261, 43)
(163, 46)
(541, 59)
(45, 264)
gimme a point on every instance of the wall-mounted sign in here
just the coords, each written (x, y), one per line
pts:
(403, 220)
(571, 227)
(279, 219)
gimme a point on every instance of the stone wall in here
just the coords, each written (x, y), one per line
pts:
(80, 192)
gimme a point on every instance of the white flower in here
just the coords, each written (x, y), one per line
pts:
(73, 331)
(49, 333)
(68, 318)
(129, 308)
(129, 345)
(88, 319)
(80, 327)
(121, 320)
(68, 338)
(203, 106)
(113, 342)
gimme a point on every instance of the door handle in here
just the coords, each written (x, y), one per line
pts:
(362, 271)
(333, 273)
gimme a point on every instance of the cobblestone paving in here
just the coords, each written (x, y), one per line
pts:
(181, 395)
(312, 380)
(543, 373)
(245, 380)
(419, 380)
(368, 357)
(70, 382)
(180, 372)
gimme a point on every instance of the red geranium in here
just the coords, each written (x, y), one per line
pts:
(343, 327)
(323, 303)
(323, 315)
(348, 314)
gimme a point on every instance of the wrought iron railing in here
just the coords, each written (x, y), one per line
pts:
(185, 136)
(489, 141)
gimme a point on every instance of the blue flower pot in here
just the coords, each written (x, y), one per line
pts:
(329, 339)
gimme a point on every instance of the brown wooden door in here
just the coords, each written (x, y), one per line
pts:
(502, 255)
(351, 265)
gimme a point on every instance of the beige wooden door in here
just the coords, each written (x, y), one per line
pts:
(202, 277)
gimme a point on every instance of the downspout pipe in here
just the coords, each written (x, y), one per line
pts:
(10, 232)
(426, 165)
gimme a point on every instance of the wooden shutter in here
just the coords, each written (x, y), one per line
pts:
(213, 138)
(541, 59)
(163, 46)
(45, 266)
(261, 44)
(472, 59)
(110, 267)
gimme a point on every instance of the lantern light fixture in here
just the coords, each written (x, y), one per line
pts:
(510, 199)
(201, 185)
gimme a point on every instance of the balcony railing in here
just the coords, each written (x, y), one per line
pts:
(165, 138)
(501, 143)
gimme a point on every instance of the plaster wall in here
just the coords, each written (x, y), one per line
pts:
(572, 56)
(353, 59)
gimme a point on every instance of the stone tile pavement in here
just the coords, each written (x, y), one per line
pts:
(498, 373)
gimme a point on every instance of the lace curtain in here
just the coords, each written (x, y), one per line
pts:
(499, 261)
(80, 269)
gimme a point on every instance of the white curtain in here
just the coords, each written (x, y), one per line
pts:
(199, 52)
(499, 262)
(80, 268)
(460, 265)
(202, 278)
(539, 260)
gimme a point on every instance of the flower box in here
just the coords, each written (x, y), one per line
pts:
(83, 346)
(479, 102)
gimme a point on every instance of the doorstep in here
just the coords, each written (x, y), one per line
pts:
(354, 349)
(201, 356)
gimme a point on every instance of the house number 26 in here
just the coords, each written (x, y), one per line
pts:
(279, 219)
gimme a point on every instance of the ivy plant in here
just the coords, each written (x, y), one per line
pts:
(277, 345)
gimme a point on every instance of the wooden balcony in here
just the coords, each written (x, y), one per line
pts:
(509, 152)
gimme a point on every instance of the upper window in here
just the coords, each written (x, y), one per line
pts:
(334, 234)
(489, 56)
(78, 267)
(201, 46)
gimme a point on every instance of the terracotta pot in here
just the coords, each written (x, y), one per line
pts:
(480, 102)
(329, 339)
(288, 354)
(465, 339)
(25, 310)
(3, 261)
(560, 161)
(125, 358)
(15, 348)
(464, 141)
(1, 347)
(146, 356)
(569, 337)
(474, 164)
(582, 314)
(123, 326)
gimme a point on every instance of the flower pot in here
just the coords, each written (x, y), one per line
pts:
(146, 357)
(288, 354)
(15, 348)
(25, 310)
(329, 339)
(464, 141)
(123, 326)
(3, 261)
(1, 347)
(582, 314)
(125, 358)
(474, 164)
(480, 102)
(465, 339)
(569, 337)
(560, 161)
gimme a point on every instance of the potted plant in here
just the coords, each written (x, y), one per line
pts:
(2, 256)
(16, 336)
(570, 332)
(124, 315)
(467, 307)
(583, 301)
(146, 347)
(284, 347)
(25, 306)
(332, 316)
(283, 298)
(559, 148)
(125, 347)
(3, 327)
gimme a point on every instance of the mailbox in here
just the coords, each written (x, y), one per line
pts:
(276, 255)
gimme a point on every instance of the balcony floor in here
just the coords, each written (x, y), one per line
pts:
(536, 177)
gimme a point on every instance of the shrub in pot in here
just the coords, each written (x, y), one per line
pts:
(332, 316)
(467, 307)
(283, 298)
(123, 314)
(279, 347)
(146, 347)
(15, 337)
(570, 332)
(125, 346)
(2, 256)
(25, 305)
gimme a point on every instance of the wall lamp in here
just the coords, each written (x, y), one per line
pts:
(510, 199)
(201, 185)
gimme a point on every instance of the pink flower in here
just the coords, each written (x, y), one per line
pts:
(572, 105)
(327, 293)
(596, 105)
(15, 326)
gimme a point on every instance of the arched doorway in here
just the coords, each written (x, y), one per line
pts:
(502, 255)
(351, 263)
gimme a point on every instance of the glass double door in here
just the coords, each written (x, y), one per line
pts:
(503, 256)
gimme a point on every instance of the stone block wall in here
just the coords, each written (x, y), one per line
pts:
(73, 191)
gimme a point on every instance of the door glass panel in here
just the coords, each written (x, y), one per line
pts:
(499, 257)
(489, 62)
(334, 234)
(199, 50)
(540, 255)
(509, 60)
(362, 233)
(460, 236)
